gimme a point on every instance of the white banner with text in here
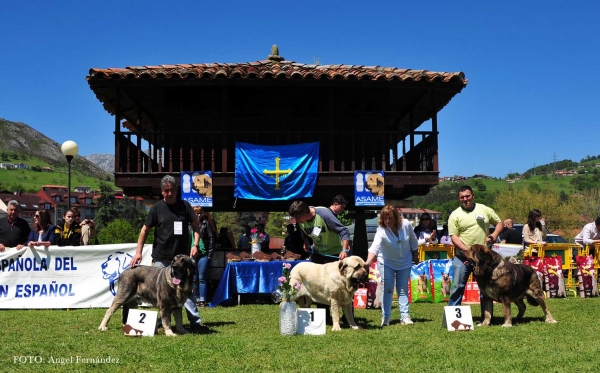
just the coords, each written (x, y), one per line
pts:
(64, 277)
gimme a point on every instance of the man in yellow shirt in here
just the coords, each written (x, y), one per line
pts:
(467, 226)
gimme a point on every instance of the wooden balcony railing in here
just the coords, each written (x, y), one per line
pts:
(147, 152)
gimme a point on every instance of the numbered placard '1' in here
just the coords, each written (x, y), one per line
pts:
(140, 323)
(457, 318)
(310, 321)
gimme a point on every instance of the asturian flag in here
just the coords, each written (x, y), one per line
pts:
(279, 172)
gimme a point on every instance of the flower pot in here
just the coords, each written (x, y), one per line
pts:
(287, 318)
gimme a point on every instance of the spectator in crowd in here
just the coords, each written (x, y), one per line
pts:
(77, 219)
(244, 241)
(42, 233)
(534, 232)
(331, 238)
(293, 242)
(170, 218)
(338, 204)
(589, 235)
(225, 239)
(88, 232)
(445, 238)
(467, 226)
(426, 231)
(208, 241)
(68, 233)
(266, 241)
(14, 230)
(395, 246)
(509, 234)
(211, 221)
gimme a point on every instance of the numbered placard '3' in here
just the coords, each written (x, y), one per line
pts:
(457, 318)
(140, 323)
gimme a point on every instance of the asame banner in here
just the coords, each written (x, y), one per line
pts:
(64, 277)
(369, 188)
(196, 188)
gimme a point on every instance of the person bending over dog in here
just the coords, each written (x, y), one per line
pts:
(331, 238)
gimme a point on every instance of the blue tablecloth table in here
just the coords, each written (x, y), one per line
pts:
(249, 278)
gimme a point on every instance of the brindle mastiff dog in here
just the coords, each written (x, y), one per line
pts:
(332, 283)
(165, 288)
(505, 282)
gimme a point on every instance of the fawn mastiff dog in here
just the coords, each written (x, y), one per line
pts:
(332, 283)
(505, 282)
(165, 288)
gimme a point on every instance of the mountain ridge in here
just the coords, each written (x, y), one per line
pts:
(20, 137)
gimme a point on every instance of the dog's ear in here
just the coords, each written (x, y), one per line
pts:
(485, 257)
(342, 266)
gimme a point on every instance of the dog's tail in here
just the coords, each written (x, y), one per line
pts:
(531, 300)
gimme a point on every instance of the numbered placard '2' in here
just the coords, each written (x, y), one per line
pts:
(140, 323)
(457, 318)
(310, 321)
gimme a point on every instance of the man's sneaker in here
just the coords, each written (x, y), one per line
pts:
(385, 322)
(406, 321)
(199, 328)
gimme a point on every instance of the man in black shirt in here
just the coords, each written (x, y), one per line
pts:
(14, 230)
(509, 234)
(170, 218)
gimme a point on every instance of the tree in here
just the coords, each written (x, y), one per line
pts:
(517, 204)
(276, 224)
(111, 209)
(563, 196)
(343, 218)
(107, 211)
(534, 188)
(229, 220)
(118, 231)
(589, 203)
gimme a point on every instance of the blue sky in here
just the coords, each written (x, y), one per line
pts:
(533, 94)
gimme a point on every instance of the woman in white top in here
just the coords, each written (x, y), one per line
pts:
(534, 232)
(396, 248)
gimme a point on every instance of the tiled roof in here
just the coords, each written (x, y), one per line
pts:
(267, 69)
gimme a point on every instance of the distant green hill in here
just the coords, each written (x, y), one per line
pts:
(23, 144)
(30, 181)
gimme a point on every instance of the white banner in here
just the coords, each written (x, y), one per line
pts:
(64, 277)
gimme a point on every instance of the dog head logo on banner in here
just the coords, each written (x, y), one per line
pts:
(113, 266)
(369, 188)
(196, 188)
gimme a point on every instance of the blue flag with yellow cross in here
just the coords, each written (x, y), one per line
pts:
(275, 172)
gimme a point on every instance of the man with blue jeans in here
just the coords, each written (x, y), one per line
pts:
(170, 218)
(468, 226)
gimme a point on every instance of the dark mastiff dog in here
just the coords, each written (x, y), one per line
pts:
(502, 281)
(165, 288)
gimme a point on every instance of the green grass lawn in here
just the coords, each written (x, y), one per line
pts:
(246, 339)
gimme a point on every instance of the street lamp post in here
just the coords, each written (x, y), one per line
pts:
(69, 149)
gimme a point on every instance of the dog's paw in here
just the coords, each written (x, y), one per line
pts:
(336, 328)
(507, 325)
(356, 327)
(169, 333)
(483, 324)
(551, 321)
(102, 328)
